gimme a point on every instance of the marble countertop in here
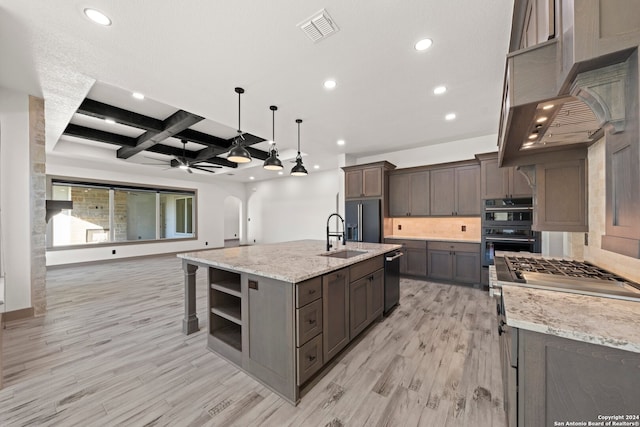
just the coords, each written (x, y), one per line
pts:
(288, 261)
(433, 239)
(597, 320)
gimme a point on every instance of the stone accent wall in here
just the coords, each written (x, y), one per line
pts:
(37, 158)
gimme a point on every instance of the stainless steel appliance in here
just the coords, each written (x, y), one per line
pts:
(506, 226)
(363, 221)
(391, 281)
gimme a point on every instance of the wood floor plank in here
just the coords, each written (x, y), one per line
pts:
(110, 351)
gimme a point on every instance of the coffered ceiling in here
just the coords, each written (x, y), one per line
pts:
(189, 56)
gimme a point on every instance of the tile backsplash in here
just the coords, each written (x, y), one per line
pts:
(438, 228)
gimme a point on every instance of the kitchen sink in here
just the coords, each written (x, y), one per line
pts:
(348, 253)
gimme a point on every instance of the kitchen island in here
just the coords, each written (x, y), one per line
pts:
(281, 311)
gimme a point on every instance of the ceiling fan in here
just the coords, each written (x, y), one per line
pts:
(186, 164)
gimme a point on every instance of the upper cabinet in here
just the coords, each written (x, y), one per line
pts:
(365, 180)
(409, 194)
(455, 191)
(501, 183)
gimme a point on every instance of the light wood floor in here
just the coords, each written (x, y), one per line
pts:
(110, 352)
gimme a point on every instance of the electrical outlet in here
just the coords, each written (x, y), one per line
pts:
(206, 243)
(586, 239)
(399, 226)
(113, 252)
(464, 228)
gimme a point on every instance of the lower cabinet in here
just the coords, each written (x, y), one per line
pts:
(335, 312)
(453, 261)
(414, 259)
(366, 301)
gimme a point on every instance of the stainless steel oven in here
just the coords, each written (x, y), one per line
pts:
(506, 226)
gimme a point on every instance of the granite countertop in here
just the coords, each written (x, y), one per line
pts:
(597, 320)
(433, 239)
(288, 261)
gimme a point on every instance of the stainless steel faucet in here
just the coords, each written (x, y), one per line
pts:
(335, 234)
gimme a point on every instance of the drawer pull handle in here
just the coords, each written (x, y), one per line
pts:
(311, 358)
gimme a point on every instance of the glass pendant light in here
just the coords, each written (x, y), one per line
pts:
(298, 169)
(238, 153)
(273, 163)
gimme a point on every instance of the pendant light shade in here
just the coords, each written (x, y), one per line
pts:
(272, 162)
(238, 153)
(298, 169)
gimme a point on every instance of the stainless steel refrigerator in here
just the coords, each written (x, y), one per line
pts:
(362, 221)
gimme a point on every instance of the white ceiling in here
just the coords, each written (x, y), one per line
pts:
(190, 55)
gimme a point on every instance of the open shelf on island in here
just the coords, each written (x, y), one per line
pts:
(225, 313)
(229, 312)
(231, 287)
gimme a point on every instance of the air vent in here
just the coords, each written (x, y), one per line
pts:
(319, 26)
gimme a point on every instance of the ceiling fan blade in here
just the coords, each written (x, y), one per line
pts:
(202, 169)
(155, 164)
(205, 166)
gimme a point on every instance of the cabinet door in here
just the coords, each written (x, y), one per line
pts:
(358, 291)
(353, 184)
(561, 197)
(416, 260)
(518, 184)
(466, 267)
(440, 264)
(494, 181)
(467, 190)
(335, 312)
(419, 194)
(442, 192)
(399, 195)
(375, 296)
(372, 182)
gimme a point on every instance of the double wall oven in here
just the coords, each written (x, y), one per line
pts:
(506, 226)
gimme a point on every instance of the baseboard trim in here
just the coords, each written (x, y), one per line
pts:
(23, 313)
(107, 261)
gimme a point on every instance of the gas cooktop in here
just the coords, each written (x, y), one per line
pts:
(559, 267)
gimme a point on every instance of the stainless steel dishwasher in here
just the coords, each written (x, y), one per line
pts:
(391, 281)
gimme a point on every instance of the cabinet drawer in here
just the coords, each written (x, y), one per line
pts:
(309, 358)
(415, 244)
(308, 291)
(454, 246)
(309, 321)
(365, 267)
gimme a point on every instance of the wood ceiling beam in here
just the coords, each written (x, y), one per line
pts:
(204, 139)
(99, 110)
(249, 139)
(176, 123)
(190, 156)
(99, 135)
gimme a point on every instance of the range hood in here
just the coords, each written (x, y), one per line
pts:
(539, 117)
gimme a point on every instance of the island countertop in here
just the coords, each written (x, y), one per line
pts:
(597, 320)
(292, 262)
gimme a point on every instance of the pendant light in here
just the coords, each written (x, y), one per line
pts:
(298, 169)
(273, 163)
(238, 153)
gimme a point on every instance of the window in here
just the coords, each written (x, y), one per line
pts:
(108, 213)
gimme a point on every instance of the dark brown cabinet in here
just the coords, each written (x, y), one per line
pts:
(365, 180)
(560, 202)
(335, 312)
(366, 301)
(453, 261)
(414, 259)
(502, 183)
(409, 194)
(455, 191)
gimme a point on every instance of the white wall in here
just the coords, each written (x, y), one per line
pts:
(453, 151)
(232, 207)
(291, 208)
(210, 218)
(15, 201)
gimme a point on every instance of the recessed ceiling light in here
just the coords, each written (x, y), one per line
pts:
(548, 107)
(280, 173)
(97, 17)
(450, 116)
(110, 121)
(184, 167)
(137, 95)
(329, 84)
(252, 178)
(439, 90)
(316, 166)
(533, 136)
(541, 120)
(340, 142)
(423, 44)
